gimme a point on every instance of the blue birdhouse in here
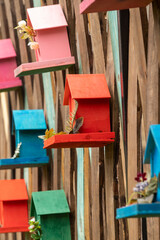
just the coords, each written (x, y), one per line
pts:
(151, 156)
(27, 126)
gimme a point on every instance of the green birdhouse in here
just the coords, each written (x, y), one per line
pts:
(52, 210)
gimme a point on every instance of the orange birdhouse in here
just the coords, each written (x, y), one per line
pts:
(7, 66)
(90, 6)
(51, 34)
(92, 97)
(13, 206)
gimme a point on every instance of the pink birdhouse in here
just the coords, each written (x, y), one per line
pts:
(92, 96)
(89, 6)
(7, 66)
(51, 34)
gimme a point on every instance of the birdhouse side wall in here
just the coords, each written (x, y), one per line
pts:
(96, 114)
(15, 213)
(155, 168)
(1, 214)
(56, 226)
(53, 44)
(32, 146)
(7, 67)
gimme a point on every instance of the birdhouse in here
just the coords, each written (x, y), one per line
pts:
(92, 95)
(7, 65)
(52, 211)
(51, 34)
(90, 6)
(28, 125)
(151, 156)
(13, 206)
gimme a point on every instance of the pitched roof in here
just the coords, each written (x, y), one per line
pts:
(85, 86)
(29, 119)
(152, 141)
(49, 202)
(11, 190)
(6, 49)
(53, 17)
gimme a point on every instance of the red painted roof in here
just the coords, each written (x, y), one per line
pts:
(85, 86)
(6, 49)
(11, 190)
(46, 17)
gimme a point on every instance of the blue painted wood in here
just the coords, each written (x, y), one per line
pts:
(80, 194)
(29, 119)
(20, 162)
(139, 210)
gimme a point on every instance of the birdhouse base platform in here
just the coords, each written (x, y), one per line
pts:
(22, 162)
(43, 66)
(89, 6)
(11, 85)
(80, 140)
(14, 229)
(139, 210)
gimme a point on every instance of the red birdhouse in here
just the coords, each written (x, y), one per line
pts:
(90, 6)
(13, 206)
(92, 95)
(51, 34)
(7, 66)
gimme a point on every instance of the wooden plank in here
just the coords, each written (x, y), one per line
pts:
(132, 127)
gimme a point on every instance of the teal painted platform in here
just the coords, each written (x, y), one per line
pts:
(21, 161)
(139, 210)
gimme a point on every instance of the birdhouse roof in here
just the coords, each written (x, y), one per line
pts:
(29, 119)
(11, 190)
(85, 86)
(152, 142)
(49, 202)
(6, 49)
(53, 17)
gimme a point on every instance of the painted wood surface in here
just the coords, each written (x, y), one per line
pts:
(43, 66)
(52, 209)
(13, 203)
(79, 140)
(90, 6)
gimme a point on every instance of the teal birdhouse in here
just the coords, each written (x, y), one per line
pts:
(27, 125)
(151, 156)
(52, 211)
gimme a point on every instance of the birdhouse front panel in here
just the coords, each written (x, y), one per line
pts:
(13, 206)
(89, 6)
(56, 226)
(7, 66)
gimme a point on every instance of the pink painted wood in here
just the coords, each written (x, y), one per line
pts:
(89, 6)
(7, 66)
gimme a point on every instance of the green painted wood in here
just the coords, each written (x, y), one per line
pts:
(80, 194)
(49, 202)
(43, 70)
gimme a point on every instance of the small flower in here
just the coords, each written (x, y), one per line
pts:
(32, 219)
(22, 23)
(31, 227)
(33, 45)
(141, 177)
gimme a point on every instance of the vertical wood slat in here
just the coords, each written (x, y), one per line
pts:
(132, 127)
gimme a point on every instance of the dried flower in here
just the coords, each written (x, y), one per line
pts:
(22, 23)
(32, 219)
(141, 177)
(33, 45)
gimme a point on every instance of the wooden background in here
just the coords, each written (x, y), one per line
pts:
(94, 180)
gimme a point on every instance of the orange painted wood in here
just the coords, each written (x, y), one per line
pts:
(92, 94)
(13, 206)
(43, 66)
(7, 66)
(54, 52)
(80, 140)
(89, 6)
